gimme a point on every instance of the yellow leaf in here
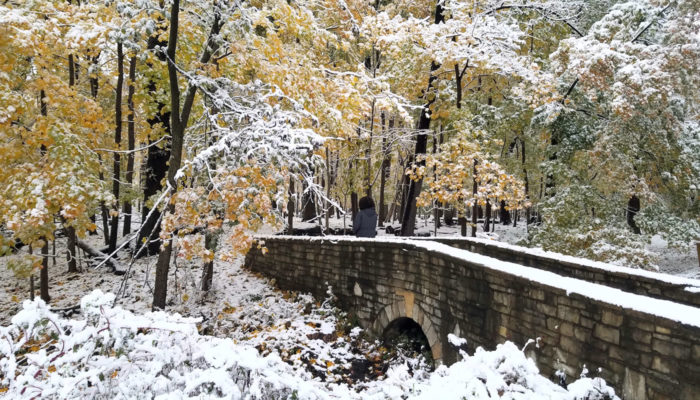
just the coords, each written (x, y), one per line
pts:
(51, 368)
(185, 297)
(15, 299)
(115, 373)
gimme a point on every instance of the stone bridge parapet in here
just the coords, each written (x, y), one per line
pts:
(646, 348)
(647, 283)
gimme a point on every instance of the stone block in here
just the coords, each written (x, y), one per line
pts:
(696, 353)
(612, 318)
(610, 335)
(616, 353)
(641, 336)
(662, 330)
(661, 365)
(587, 322)
(503, 332)
(432, 336)
(570, 345)
(566, 329)
(537, 294)
(581, 334)
(668, 349)
(547, 309)
(643, 325)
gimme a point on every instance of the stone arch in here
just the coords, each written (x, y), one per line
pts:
(397, 310)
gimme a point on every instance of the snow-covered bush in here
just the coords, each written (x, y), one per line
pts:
(112, 353)
(599, 233)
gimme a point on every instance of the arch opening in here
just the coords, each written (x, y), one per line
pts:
(405, 338)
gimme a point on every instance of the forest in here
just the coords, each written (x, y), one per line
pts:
(175, 130)
(209, 120)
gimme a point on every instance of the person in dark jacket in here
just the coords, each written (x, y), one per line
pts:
(365, 224)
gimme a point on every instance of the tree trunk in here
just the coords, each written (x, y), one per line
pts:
(44, 274)
(354, 205)
(448, 214)
(475, 208)
(211, 240)
(290, 207)
(633, 207)
(487, 217)
(408, 219)
(326, 202)
(126, 210)
(156, 167)
(504, 214)
(179, 118)
(368, 155)
(386, 171)
(436, 204)
(94, 87)
(116, 172)
(403, 191)
(98, 255)
(70, 231)
(308, 212)
(71, 254)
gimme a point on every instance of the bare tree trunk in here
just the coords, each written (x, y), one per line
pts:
(326, 202)
(308, 212)
(71, 254)
(70, 231)
(504, 214)
(131, 133)
(386, 170)
(44, 274)
(487, 217)
(527, 182)
(368, 155)
(211, 240)
(475, 208)
(353, 205)
(633, 207)
(290, 207)
(94, 87)
(116, 172)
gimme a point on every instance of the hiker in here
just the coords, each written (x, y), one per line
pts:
(365, 224)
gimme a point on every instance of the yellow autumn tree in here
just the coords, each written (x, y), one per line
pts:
(463, 175)
(48, 132)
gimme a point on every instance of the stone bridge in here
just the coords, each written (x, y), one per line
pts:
(641, 328)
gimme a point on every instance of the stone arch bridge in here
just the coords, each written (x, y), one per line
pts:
(641, 328)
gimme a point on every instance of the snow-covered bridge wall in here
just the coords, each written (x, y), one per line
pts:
(646, 283)
(647, 348)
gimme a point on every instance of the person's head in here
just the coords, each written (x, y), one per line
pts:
(366, 202)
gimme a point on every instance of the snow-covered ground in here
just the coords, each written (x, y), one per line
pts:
(244, 339)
